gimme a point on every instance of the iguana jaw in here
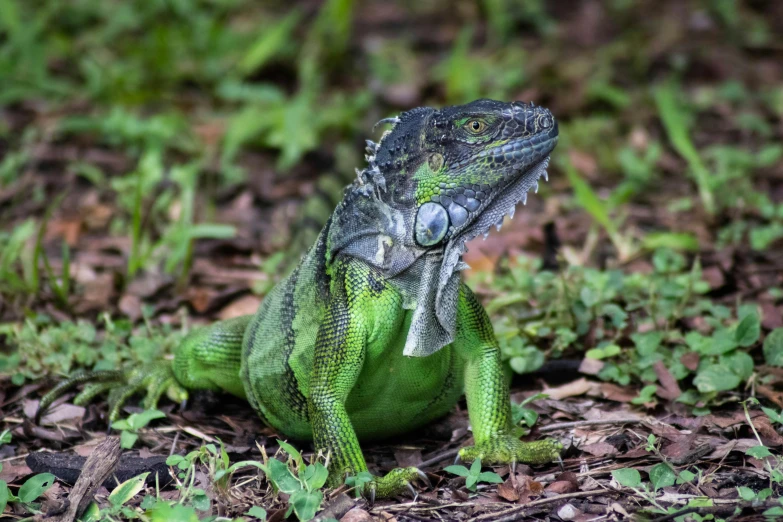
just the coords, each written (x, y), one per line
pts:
(521, 178)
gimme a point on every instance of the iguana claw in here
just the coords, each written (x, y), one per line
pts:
(424, 478)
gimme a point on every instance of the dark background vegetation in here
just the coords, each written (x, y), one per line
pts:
(163, 162)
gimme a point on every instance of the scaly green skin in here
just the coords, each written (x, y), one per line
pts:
(322, 359)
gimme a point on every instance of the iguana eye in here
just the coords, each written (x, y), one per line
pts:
(475, 126)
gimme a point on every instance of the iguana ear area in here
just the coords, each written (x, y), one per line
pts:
(432, 223)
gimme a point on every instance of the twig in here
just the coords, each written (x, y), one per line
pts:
(517, 513)
(437, 458)
(576, 424)
(98, 467)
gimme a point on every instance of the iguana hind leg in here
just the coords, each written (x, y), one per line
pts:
(210, 358)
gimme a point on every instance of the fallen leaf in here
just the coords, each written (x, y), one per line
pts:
(600, 449)
(571, 389)
(669, 389)
(508, 492)
(561, 486)
(690, 360)
(617, 393)
(740, 445)
(590, 366)
(60, 413)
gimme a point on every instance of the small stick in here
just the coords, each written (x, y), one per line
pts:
(98, 467)
(576, 424)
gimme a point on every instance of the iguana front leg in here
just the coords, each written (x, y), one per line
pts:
(339, 356)
(489, 405)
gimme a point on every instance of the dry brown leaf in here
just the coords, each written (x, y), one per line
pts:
(571, 389)
(740, 445)
(669, 389)
(561, 486)
(617, 393)
(507, 491)
(600, 449)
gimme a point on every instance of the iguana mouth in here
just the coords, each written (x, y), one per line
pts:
(522, 177)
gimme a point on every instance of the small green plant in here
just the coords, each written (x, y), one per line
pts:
(46, 347)
(474, 475)
(520, 414)
(591, 310)
(130, 427)
(29, 492)
(301, 481)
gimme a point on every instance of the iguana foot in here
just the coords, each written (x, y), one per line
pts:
(395, 482)
(154, 380)
(507, 449)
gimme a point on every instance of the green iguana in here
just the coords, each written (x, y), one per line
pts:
(374, 334)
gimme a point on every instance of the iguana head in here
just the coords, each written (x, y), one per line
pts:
(437, 179)
(463, 168)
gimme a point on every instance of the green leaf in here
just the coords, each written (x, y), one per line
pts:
(201, 502)
(672, 240)
(4, 494)
(674, 118)
(748, 330)
(163, 512)
(175, 460)
(773, 415)
(475, 468)
(627, 477)
(456, 469)
(91, 514)
(271, 41)
(35, 486)
(306, 503)
(589, 200)
(758, 452)
(127, 490)
(358, 481)
(775, 511)
(529, 416)
(258, 512)
(746, 493)
(315, 475)
(685, 476)
(140, 420)
(282, 477)
(490, 477)
(647, 343)
(738, 362)
(290, 450)
(773, 347)
(662, 476)
(128, 439)
(715, 378)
